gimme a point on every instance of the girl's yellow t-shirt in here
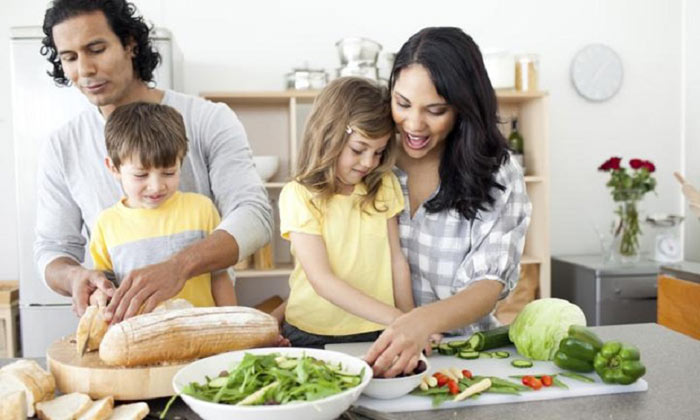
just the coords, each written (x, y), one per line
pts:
(357, 244)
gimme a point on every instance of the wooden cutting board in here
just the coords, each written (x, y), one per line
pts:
(89, 375)
(489, 367)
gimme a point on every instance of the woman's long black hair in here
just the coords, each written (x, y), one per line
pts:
(122, 18)
(475, 149)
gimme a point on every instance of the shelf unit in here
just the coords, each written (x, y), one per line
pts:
(274, 123)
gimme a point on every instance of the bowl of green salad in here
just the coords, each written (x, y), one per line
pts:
(273, 383)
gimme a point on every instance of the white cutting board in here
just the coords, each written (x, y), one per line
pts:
(489, 367)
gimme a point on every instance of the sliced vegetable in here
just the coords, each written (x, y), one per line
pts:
(521, 363)
(546, 380)
(485, 355)
(501, 354)
(457, 344)
(618, 363)
(468, 354)
(487, 340)
(446, 350)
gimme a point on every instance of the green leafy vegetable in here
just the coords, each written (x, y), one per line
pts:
(540, 326)
(275, 379)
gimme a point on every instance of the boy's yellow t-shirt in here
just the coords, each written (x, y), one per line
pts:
(124, 239)
(358, 250)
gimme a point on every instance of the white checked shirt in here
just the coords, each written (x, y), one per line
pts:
(446, 252)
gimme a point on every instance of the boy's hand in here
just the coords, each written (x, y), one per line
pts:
(147, 286)
(84, 284)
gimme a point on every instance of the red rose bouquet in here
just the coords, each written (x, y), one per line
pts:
(627, 188)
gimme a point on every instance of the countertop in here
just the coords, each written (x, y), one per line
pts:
(685, 270)
(673, 375)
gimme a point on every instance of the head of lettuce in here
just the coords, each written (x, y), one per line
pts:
(540, 326)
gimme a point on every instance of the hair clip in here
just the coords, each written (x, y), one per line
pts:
(348, 129)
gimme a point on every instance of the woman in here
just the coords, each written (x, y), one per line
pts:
(467, 210)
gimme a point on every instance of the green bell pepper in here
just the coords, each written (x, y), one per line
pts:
(618, 363)
(577, 351)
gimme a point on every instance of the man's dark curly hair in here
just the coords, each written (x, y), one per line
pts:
(122, 19)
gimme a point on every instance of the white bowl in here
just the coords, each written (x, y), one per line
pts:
(326, 408)
(389, 388)
(266, 166)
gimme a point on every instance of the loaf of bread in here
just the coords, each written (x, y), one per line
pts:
(13, 403)
(186, 334)
(27, 376)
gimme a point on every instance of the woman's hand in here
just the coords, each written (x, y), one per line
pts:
(398, 348)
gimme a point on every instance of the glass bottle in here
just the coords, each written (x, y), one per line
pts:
(515, 142)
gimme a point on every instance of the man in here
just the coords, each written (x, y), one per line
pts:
(102, 47)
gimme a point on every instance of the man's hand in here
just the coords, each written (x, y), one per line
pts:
(85, 284)
(145, 287)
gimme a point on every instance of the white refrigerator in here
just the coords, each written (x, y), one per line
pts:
(38, 108)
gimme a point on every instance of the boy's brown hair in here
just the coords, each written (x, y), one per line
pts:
(152, 133)
(346, 105)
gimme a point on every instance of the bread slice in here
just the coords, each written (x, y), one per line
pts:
(65, 407)
(13, 404)
(99, 410)
(91, 328)
(41, 378)
(20, 381)
(135, 411)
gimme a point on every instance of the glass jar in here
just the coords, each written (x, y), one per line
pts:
(526, 72)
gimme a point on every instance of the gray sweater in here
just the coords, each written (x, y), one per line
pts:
(74, 186)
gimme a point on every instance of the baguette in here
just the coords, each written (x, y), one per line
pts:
(186, 334)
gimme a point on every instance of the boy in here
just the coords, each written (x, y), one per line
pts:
(146, 144)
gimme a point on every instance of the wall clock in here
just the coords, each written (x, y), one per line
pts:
(596, 72)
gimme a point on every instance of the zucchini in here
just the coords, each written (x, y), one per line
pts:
(501, 354)
(446, 350)
(457, 344)
(487, 340)
(468, 354)
(485, 355)
(521, 363)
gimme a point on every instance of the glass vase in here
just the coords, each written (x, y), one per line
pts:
(627, 232)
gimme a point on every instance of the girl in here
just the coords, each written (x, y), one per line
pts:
(350, 278)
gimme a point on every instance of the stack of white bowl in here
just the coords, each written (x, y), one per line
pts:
(358, 57)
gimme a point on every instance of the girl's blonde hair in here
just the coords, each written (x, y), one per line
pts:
(346, 105)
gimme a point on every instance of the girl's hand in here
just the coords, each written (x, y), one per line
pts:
(397, 349)
(434, 338)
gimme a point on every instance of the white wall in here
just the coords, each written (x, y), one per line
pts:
(251, 45)
(691, 123)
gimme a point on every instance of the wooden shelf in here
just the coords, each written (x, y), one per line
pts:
(263, 98)
(515, 96)
(275, 185)
(528, 259)
(280, 271)
(533, 178)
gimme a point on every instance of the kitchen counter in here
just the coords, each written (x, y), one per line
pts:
(685, 270)
(673, 374)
